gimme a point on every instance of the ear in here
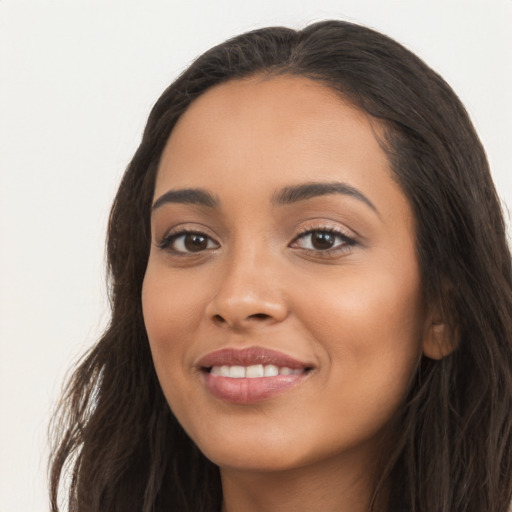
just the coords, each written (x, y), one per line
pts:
(440, 338)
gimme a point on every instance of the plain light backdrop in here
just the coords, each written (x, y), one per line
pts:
(77, 81)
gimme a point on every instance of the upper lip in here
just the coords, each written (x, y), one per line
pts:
(250, 356)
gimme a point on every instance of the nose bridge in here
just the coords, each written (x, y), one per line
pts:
(248, 289)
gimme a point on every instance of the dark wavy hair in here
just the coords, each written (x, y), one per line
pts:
(117, 445)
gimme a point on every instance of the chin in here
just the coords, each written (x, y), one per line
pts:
(246, 451)
(257, 461)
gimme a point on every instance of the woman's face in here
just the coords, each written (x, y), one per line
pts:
(282, 297)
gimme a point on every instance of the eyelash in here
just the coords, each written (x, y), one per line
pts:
(347, 242)
(171, 238)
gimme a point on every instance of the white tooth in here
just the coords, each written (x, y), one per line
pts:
(271, 370)
(224, 371)
(237, 372)
(255, 370)
(285, 371)
(216, 370)
(296, 372)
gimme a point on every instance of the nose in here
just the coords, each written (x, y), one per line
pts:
(249, 294)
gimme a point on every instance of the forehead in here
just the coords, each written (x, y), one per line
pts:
(265, 133)
(283, 97)
(278, 109)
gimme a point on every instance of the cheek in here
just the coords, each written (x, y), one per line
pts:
(371, 327)
(172, 306)
(172, 312)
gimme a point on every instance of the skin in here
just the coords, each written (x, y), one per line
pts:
(354, 311)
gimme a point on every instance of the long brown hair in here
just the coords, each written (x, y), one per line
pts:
(115, 435)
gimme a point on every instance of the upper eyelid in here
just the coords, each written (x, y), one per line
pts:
(346, 238)
(183, 232)
(326, 226)
(184, 228)
(302, 231)
(310, 226)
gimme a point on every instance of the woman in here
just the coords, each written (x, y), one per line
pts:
(311, 294)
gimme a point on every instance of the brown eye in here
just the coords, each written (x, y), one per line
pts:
(322, 240)
(195, 242)
(188, 242)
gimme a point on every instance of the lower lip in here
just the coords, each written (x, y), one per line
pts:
(246, 391)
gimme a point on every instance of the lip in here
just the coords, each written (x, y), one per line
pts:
(250, 356)
(250, 390)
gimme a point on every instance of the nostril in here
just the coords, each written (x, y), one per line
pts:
(240, 318)
(219, 319)
(259, 316)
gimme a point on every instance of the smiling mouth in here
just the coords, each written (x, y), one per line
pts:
(251, 375)
(254, 371)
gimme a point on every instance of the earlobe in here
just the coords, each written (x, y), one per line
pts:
(439, 341)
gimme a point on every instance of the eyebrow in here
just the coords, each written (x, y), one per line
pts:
(197, 196)
(285, 196)
(295, 193)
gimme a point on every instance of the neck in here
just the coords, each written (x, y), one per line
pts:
(332, 486)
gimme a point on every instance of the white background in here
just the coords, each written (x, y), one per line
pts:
(77, 80)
